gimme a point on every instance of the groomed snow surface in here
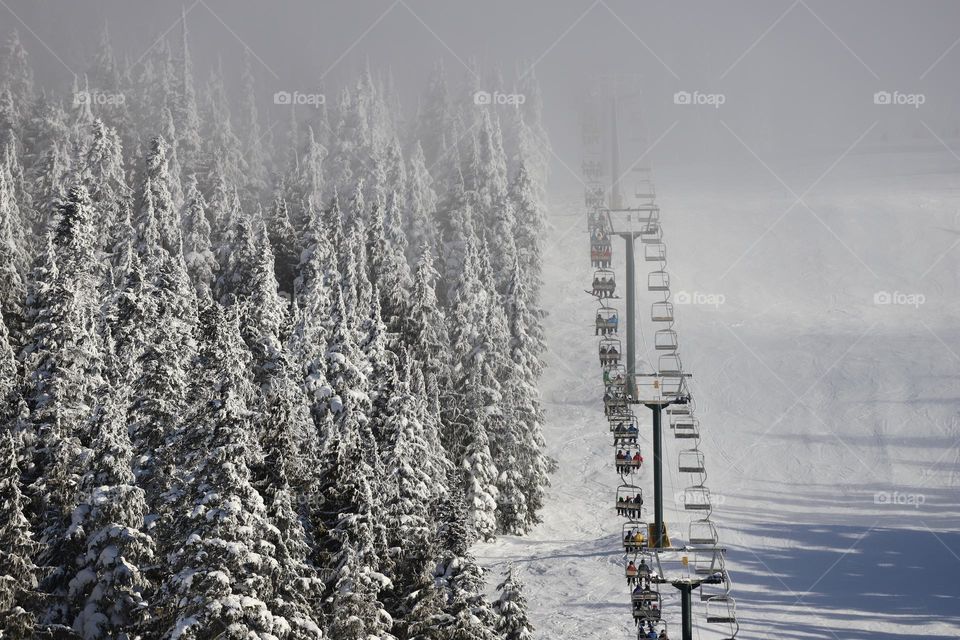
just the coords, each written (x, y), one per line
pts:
(830, 421)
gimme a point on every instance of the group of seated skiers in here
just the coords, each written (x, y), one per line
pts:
(634, 538)
(625, 434)
(652, 633)
(607, 325)
(612, 376)
(638, 575)
(645, 603)
(609, 354)
(627, 462)
(629, 506)
(604, 287)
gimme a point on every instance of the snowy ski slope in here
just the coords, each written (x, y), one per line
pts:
(831, 423)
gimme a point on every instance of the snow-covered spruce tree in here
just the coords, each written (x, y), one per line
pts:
(283, 238)
(13, 254)
(18, 573)
(425, 329)
(511, 606)
(387, 266)
(529, 222)
(458, 576)
(108, 589)
(186, 118)
(222, 548)
(306, 186)
(421, 205)
(62, 358)
(251, 141)
(457, 230)
(101, 171)
(157, 221)
(197, 251)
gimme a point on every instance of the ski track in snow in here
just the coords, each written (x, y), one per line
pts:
(814, 403)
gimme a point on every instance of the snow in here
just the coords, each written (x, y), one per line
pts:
(830, 423)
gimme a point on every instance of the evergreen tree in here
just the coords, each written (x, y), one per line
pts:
(512, 608)
(18, 573)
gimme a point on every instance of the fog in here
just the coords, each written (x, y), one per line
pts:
(793, 76)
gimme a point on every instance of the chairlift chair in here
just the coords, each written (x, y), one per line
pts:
(627, 503)
(614, 375)
(634, 536)
(661, 312)
(691, 461)
(665, 340)
(646, 605)
(686, 428)
(610, 351)
(678, 410)
(668, 364)
(607, 320)
(652, 234)
(703, 532)
(625, 430)
(604, 283)
(628, 464)
(697, 498)
(658, 281)
(656, 252)
(722, 610)
(707, 561)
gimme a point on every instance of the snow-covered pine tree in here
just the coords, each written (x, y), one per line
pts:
(286, 245)
(511, 606)
(529, 223)
(421, 205)
(18, 573)
(197, 251)
(13, 254)
(108, 590)
(222, 548)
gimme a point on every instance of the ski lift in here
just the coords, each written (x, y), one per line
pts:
(655, 252)
(665, 340)
(707, 562)
(697, 498)
(717, 585)
(609, 351)
(669, 364)
(624, 429)
(703, 532)
(607, 320)
(691, 461)
(646, 605)
(658, 281)
(721, 610)
(614, 402)
(651, 234)
(672, 386)
(627, 462)
(614, 376)
(661, 312)
(686, 428)
(634, 536)
(645, 191)
(604, 283)
(678, 410)
(629, 500)
(595, 196)
(658, 626)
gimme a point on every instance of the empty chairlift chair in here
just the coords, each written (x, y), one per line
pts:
(658, 281)
(703, 532)
(629, 501)
(708, 562)
(607, 321)
(656, 252)
(651, 234)
(614, 376)
(721, 610)
(669, 364)
(661, 312)
(665, 340)
(697, 498)
(686, 428)
(691, 461)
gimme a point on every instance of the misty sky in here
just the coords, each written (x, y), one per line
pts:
(793, 75)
